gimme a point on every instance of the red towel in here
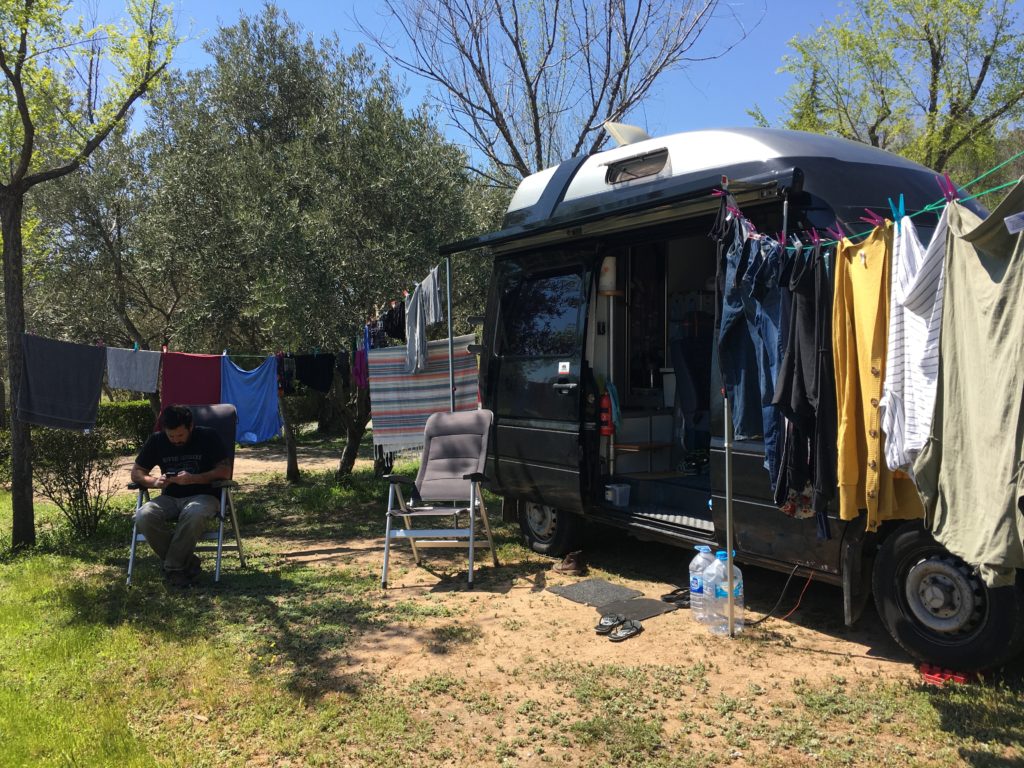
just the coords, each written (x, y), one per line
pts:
(189, 379)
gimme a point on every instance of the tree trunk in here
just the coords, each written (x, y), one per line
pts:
(3, 397)
(292, 471)
(355, 428)
(23, 531)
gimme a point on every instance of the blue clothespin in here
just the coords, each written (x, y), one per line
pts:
(135, 347)
(897, 213)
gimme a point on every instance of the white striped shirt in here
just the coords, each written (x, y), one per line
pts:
(912, 365)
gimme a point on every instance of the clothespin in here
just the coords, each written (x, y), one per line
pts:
(897, 212)
(725, 183)
(163, 347)
(948, 188)
(835, 231)
(135, 347)
(225, 352)
(718, 193)
(872, 218)
(815, 237)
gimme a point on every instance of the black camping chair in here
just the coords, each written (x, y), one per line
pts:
(222, 418)
(448, 485)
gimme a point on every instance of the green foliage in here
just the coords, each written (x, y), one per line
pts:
(935, 80)
(126, 425)
(75, 471)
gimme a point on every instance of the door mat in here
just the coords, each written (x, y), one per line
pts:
(638, 608)
(595, 592)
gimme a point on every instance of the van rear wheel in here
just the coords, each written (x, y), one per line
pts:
(937, 607)
(547, 530)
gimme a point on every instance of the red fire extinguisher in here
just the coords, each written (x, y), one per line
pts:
(607, 428)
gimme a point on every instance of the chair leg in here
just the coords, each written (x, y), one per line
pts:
(234, 523)
(220, 536)
(131, 553)
(487, 526)
(387, 539)
(472, 533)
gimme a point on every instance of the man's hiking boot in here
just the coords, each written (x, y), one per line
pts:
(572, 564)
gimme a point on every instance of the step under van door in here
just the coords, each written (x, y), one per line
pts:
(533, 377)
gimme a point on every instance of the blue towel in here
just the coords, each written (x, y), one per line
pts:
(254, 395)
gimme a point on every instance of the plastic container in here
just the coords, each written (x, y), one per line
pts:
(698, 565)
(716, 591)
(617, 494)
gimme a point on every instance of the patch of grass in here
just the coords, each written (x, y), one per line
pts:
(627, 741)
(444, 639)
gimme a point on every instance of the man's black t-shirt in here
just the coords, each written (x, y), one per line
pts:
(203, 451)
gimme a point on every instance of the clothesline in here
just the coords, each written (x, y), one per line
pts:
(931, 207)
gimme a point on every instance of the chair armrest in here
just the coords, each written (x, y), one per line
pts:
(134, 486)
(400, 479)
(475, 477)
(224, 484)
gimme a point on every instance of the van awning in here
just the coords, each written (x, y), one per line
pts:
(660, 201)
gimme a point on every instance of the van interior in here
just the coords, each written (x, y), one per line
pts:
(651, 334)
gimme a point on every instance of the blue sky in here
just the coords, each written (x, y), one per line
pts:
(712, 94)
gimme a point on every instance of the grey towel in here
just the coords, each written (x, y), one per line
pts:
(431, 298)
(60, 384)
(137, 370)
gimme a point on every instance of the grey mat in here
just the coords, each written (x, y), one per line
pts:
(638, 608)
(596, 592)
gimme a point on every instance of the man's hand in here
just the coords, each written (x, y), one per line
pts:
(183, 478)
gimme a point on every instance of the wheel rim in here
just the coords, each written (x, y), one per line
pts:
(945, 596)
(541, 520)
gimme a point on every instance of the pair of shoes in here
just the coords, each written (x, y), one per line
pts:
(572, 564)
(178, 579)
(618, 627)
(679, 597)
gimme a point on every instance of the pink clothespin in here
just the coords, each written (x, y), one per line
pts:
(815, 237)
(718, 193)
(835, 231)
(872, 218)
(948, 188)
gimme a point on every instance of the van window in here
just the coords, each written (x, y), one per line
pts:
(632, 168)
(540, 315)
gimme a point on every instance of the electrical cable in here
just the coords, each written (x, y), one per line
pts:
(777, 602)
(810, 576)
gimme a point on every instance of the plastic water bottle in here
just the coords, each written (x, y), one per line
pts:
(716, 590)
(698, 565)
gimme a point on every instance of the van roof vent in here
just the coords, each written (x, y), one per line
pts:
(636, 167)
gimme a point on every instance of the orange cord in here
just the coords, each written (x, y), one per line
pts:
(793, 610)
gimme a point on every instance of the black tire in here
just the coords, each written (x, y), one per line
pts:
(937, 607)
(547, 530)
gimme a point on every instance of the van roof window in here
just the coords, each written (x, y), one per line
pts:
(647, 164)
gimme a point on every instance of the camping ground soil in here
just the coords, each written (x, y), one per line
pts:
(429, 673)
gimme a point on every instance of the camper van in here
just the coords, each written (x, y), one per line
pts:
(604, 281)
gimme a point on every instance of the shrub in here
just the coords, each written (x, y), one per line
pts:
(75, 471)
(126, 424)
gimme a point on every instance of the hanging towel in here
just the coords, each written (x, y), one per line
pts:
(315, 371)
(137, 370)
(400, 402)
(61, 383)
(415, 332)
(254, 395)
(189, 379)
(360, 375)
(431, 298)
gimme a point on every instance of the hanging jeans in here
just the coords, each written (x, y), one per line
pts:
(762, 301)
(736, 352)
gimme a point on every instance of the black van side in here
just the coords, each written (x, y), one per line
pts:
(604, 282)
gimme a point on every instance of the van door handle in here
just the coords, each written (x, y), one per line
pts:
(564, 387)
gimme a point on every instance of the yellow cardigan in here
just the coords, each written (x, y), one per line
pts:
(860, 324)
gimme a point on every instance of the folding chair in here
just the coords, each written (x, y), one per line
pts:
(222, 418)
(451, 471)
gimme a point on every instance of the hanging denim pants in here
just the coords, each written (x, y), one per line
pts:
(736, 352)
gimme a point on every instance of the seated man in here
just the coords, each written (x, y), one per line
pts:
(190, 458)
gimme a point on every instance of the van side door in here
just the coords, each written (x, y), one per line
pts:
(532, 379)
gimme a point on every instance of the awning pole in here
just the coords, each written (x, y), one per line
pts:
(451, 340)
(728, 509)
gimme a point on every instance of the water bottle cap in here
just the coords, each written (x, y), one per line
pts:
(703, 548)
(723, 555)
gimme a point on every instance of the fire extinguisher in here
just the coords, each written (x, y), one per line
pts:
(605, 412)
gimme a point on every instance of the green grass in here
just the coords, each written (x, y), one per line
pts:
(257, 671)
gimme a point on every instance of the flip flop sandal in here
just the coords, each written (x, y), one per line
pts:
(680, 596)
(625, 631)
(608, 623)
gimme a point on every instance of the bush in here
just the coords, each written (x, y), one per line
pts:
(126, 424)
(75, 471)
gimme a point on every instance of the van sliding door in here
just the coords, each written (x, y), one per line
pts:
(533, 381)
